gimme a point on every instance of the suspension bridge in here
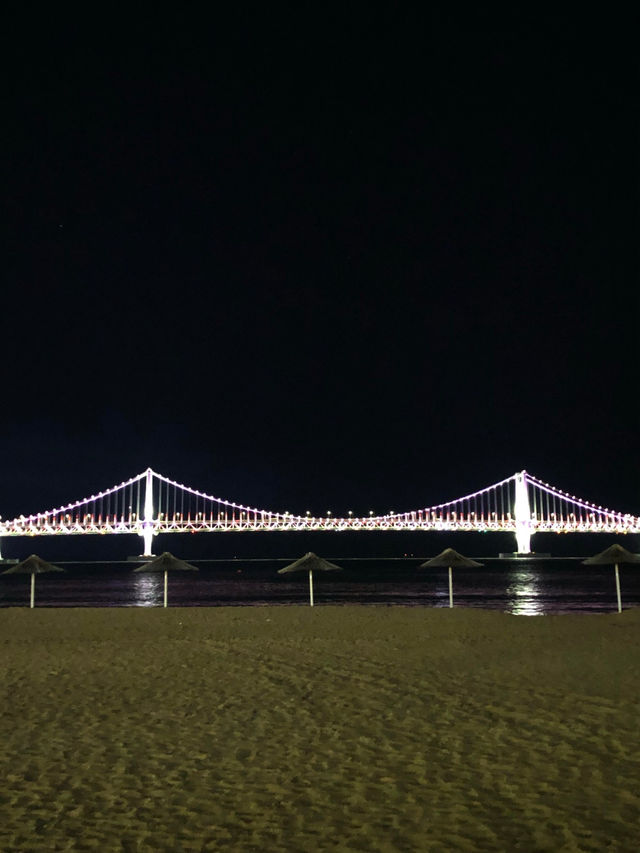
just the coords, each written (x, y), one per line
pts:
(150, 503)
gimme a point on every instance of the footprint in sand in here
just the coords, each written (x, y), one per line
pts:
(244, 755)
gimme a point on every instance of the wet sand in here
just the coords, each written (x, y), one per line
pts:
(332, 728)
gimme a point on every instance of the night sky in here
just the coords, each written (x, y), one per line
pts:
(304, 268)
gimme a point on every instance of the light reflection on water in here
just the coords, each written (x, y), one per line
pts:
(523, 592)
(523, 587)
(147, 588)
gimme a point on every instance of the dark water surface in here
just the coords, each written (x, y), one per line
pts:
(514, 586)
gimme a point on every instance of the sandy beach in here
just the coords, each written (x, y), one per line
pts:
(332, 728)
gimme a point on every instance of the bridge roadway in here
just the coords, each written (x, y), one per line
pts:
(149, 504)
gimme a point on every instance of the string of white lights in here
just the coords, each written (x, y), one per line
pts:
(458, 511)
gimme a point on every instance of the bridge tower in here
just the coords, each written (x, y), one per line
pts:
(147, 523)
(522, 514)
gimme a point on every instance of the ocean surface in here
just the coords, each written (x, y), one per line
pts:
(515, 586)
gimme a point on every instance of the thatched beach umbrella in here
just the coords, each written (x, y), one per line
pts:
(166, 563)
(33, 566)
(310, 562)
(613, 556)
(450, 558)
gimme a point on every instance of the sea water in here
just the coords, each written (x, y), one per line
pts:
(524, 587)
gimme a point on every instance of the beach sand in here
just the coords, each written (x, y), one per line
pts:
(328, 729)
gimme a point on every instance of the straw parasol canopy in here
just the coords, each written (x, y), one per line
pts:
(450, 558)
(310, 563)
(613, 556)
(166, 563)
(33, 566)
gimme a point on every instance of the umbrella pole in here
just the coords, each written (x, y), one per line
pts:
(166, 574)
(618, 589)
(450, 587)
(33, 590)
(310, 588)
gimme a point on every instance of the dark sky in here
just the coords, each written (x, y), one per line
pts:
(309, 269)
